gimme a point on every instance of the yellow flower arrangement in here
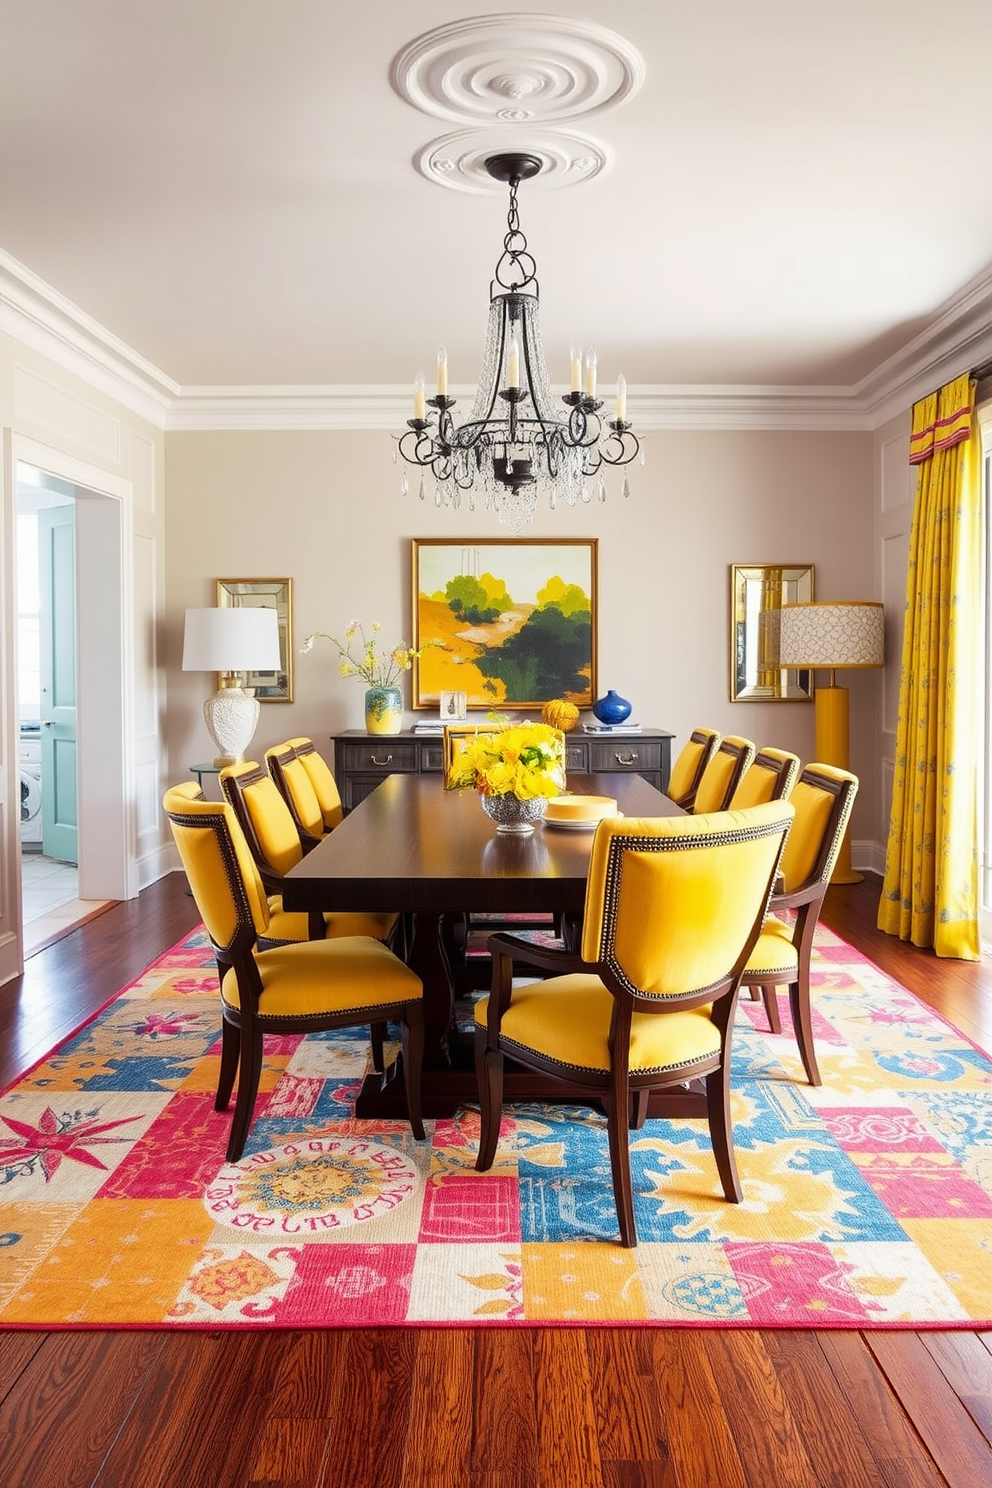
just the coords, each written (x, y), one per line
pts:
(525, 760)
(377, 667)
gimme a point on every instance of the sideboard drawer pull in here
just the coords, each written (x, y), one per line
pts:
(377, 761)
(626, 759)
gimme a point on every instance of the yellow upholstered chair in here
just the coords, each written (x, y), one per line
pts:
(687, 770)
(465, 933)
(722, 774)
(308, 787)
(673, 908)
(822, 800)
(308, 986)
(769, 777)
(456, 736)
(274, 843)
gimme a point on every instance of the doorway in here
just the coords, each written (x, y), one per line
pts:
(58, 608)
(46, 673)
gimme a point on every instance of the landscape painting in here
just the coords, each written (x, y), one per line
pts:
(510, 623)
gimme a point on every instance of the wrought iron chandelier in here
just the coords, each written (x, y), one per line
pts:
(516, 442)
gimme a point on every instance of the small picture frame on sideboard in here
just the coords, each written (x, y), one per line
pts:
(454, 707)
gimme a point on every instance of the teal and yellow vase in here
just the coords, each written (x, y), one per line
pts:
(383, 710)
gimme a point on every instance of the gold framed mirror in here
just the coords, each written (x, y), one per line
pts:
(277, 594)
(757, 592)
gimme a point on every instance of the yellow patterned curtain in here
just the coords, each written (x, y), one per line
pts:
(930, 893)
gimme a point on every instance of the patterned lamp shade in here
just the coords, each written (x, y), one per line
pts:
(835, 634)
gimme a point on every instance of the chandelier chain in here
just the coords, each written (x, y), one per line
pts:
(515, 258)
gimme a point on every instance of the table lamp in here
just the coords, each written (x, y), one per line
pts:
(230, 641)
(839, 633)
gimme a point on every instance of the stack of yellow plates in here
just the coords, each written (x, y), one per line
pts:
(579, 813)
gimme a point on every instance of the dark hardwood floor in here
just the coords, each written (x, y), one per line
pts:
(464, 1408)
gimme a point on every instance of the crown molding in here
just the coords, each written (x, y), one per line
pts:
(388, 408)
(958, 339)
(35, 314)
(32, 312)
(305, 407)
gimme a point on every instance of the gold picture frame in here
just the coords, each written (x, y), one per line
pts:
(277, 594)
(757, 593)
(511, 622)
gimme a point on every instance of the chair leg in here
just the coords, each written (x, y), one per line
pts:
(623, 1188)
(377, 1038)
(802, 1022)
(638, 1108)
(769, 995)
(230, 1053)
(412, 1040)
(251, 1069)
(721, 1131)
(489, 1074)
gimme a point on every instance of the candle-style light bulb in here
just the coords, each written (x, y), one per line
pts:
(591, 372)
(442, 372)
(513, 364)
(621, 399)
(419, 408)
(575, 352)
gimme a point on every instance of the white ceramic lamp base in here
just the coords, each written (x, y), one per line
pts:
(231, 716)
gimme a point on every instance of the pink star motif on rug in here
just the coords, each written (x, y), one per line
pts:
(53, 1139)
(157, 1025)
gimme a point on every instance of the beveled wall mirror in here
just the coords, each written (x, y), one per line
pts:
(277, 594)
(757, 592)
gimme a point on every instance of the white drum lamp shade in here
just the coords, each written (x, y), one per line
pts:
(831, 635)
(229, 641)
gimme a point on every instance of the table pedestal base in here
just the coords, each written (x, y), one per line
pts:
(383, 1097)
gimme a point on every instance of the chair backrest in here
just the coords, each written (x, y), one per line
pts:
(687, 770)
(674, 904)
(219, 866)
(263, 816)
(769, 777)
(723, 774)
(305, 780)
(456, 736)
(823, 799)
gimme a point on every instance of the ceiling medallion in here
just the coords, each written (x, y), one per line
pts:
(563, 69)
(517, 439)
(460, 160)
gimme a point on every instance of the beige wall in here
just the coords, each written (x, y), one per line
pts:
(325, 509)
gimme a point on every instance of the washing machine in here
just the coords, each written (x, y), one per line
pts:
(31, 787)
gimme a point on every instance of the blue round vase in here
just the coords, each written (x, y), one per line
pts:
(612, 708)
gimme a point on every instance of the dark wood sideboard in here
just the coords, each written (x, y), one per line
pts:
(362, 761)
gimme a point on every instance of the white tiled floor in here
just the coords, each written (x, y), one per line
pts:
(49, 891)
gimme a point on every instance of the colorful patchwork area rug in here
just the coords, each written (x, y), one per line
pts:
(868, 1202)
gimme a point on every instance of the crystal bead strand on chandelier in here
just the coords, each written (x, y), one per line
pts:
(516, 442)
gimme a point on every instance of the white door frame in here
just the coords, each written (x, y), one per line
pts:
(108, 866)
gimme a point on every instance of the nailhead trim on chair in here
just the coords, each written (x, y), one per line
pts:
(596, 1069)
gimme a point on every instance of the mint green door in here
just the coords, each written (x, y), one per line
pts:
(57, 586)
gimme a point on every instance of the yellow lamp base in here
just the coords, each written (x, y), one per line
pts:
(832, 748)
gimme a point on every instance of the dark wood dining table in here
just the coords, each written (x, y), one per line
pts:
(430, 854)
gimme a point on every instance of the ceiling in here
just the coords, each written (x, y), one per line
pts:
(258, 193)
